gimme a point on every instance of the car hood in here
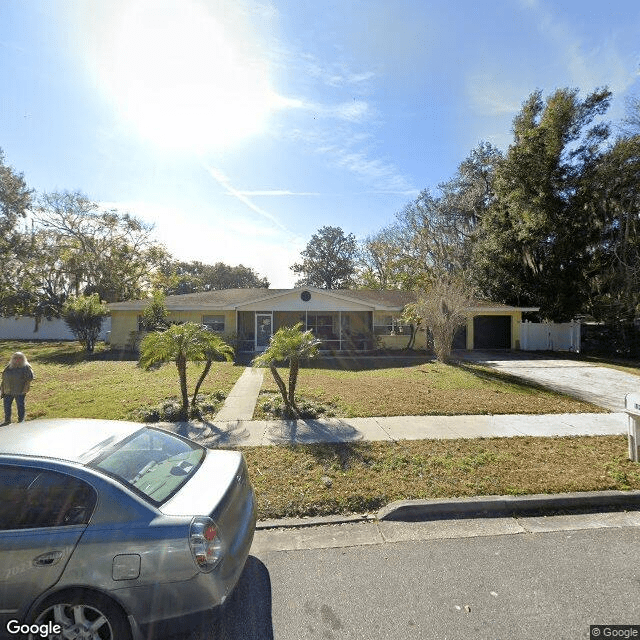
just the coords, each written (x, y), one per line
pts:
(202, 493)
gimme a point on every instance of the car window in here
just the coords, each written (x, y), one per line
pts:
(36, 498)
(152, 462)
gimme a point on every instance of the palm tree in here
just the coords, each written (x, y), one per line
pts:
(182, 343)
(288, 344)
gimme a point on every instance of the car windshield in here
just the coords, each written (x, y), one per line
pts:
(152, 462)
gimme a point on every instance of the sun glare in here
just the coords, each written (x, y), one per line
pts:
(185, 78)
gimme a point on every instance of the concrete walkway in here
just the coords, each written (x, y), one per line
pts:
(268, 432)
(241, 400)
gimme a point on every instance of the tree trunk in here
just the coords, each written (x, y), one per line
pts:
(283, 389)
(181, 364)
(294, 366)
(442, 343)
(412, 339)
(205, 372)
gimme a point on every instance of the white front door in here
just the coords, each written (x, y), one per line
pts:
(264, 324)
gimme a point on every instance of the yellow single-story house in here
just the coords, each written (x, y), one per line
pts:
(345, 320)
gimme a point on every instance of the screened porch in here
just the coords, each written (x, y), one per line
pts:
(338, 330)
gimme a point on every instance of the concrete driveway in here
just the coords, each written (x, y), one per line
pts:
(599, 385)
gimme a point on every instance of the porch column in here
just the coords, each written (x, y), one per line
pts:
(470, 333)
(339, 330)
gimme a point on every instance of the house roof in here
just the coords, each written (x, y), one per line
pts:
(232, 298)
(227, 299)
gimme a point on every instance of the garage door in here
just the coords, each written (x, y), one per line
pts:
(492, 332)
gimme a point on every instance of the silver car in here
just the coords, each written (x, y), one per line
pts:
(107, 527)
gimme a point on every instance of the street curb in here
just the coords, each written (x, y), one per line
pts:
(499, 506)
(296, 523)
(476, 506)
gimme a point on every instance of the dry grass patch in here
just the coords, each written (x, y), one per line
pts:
(628, 366)
(324, 479)
(428, 388)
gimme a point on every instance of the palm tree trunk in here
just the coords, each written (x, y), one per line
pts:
(294, 365)
(181, 364)
(205, 372)
(282, 388)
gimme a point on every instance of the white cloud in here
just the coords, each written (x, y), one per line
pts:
(379, 175)
(332, 74)
(587, 68)
(493, 95)
(352, 110)
(355, 111)
(209, 237)
(564, 58)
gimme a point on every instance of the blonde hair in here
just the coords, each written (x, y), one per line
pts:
(15, 356)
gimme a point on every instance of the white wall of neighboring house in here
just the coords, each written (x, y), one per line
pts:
(23, 328)
(550, 336)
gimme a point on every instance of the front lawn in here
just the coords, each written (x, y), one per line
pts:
(628, 366)
(384, 387)
(325, 479)
(71, 384)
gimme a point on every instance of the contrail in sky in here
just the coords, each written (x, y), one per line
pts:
(224, 182)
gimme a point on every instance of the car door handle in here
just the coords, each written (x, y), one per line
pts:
(47, 559)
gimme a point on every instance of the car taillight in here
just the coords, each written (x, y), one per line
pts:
(205, 543)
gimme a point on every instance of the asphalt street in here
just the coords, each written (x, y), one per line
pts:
(498, 579)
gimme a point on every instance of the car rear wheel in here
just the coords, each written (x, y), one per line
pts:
(81, 616)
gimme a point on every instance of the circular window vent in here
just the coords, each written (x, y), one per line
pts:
(306, 296)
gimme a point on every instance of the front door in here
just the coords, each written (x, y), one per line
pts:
(264, 323)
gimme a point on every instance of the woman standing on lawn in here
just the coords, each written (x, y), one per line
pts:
(16, 380)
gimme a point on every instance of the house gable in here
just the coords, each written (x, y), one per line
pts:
(295, 300)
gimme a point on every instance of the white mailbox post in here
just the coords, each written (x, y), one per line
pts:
(632, 409)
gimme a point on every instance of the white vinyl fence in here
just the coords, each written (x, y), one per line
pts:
(550, 336)
(24, 328)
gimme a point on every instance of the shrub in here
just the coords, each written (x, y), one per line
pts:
(84, 316)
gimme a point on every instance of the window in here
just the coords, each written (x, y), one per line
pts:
(214, 323)
(388, 325)
(152, 462)
(34, 498)
(323, 326)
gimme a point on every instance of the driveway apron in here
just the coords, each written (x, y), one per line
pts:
(599, 385)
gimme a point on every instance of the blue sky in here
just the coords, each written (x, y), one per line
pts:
(239, 128)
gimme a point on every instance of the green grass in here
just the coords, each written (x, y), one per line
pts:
(628, 366)
(326, 479)
(71, 384)
(423, 388)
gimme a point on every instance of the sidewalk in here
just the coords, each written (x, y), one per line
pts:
(269, 432)
(233, 425)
